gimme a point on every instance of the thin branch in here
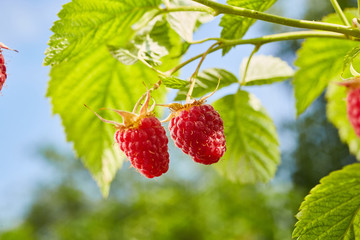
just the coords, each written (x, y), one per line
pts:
(262, 40)
(193, 76)
(257, 47)
(340, 12)
(151, 67)
(228, 9)
(208, 39)
(187, 9)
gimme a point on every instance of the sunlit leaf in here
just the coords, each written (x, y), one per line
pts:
(86, 25)
(265, 70)
(174, 82)
(353, 53)
(125, 56)
(185, 23)
(319, 61)
(235, 27)
(331, 210)
(251, 139)
(84, 72)
(336, 113)
(207, 81)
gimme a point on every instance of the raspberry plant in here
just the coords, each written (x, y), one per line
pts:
(102, 52)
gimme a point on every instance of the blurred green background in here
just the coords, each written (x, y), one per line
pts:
(191, 201)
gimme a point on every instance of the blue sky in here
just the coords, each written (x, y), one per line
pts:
(26, 121)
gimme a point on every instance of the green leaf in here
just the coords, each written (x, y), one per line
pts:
(319, 61)
(125, 56)
(207, 81)
(98, 81)
(251, 139)
(84, 72)
(147, 50)
(86, 25)
(337, 115)
(185, 23)
(150, 43)
(235, 27)
(174, 82)
(265, 70)
(331, 210)
(353, 53)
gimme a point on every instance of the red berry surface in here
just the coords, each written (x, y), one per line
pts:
(199, 132)
(145, 146)
(2, 70)
(353, 109)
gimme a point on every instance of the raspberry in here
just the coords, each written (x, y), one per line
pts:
(2, 70)
(353, 109)
(2, 65)
(143, 140)
(145, 146)
(198, 131)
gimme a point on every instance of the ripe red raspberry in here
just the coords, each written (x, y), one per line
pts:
(2, 70)
(198, 131)
(145, 146)
(2, 65)
(353, 109)
(143, 140)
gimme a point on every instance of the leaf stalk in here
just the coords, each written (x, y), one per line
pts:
(340, 12)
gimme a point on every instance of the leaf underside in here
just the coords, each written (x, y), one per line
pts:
(206, 82)
(265, 70)
(251, 139)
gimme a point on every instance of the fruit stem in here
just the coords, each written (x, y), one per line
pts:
(154, 87)
(193, 76)
(243, 81)
(151, 67)
(103, 119)
(340, 12)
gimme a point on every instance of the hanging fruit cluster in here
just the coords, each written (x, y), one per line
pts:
(196, 128)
